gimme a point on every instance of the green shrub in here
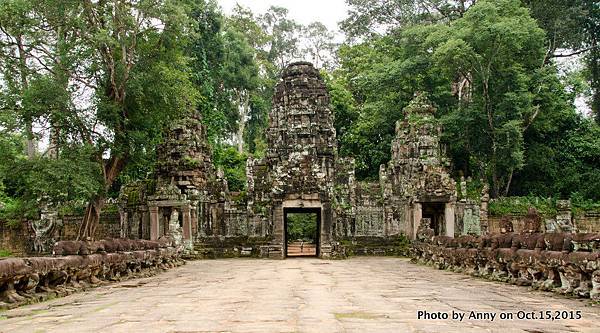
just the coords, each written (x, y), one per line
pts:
(520, 205)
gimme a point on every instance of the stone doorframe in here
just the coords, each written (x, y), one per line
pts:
(279, 222)
(417, 214)
(185, 209)
(317, 210)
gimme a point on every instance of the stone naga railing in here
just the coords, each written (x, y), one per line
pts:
(79, 265)
(564, 263)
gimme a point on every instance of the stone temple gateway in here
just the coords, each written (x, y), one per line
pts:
(302, 172)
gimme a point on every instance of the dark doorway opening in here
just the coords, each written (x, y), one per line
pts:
(302, 231)
(435, 212)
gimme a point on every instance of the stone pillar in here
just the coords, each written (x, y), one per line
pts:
(449, 218)
(194, 221)
(278, 222)
(123, 219)
(417, 216)
(153, 222)
(187, 222)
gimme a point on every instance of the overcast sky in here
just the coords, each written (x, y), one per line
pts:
(328, 12)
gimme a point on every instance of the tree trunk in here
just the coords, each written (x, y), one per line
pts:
(31, 142)
(509, 181)
(91, 219)
(112, 168)
(54, 141)
(594, 59)
(243, 104)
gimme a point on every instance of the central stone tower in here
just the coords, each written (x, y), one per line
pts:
(298, 171)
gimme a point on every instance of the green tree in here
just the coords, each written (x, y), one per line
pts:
(572, 29)
(240, 75)
(368, 18)
(499, 49)
(319, 45)
(127, 57)
(283, 36)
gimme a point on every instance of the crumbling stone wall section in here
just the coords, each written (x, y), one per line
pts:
(344, 203)
(369, 219)
(587, 222)
(16, 240)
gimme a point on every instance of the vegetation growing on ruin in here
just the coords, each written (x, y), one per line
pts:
(99, 92)
(520, 205)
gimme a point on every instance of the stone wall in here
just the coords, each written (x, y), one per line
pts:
(582, 222)
(587, 222)
(15, 240)
(19, 240)
(109, 226)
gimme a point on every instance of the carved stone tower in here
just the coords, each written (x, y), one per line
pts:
(418, 177)
(298, 171)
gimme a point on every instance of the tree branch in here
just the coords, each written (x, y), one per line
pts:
(565, 55)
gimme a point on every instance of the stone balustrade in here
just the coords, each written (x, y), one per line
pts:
(565, 263)
(77, 266)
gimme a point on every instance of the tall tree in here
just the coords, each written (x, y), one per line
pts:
(320, 45)
(501, 48)
(572, 29)
(367, 18)
(18, 28)
(138, 73)
(283, 36)
(240, 75)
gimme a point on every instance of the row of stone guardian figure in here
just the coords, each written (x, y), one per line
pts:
(566, 263)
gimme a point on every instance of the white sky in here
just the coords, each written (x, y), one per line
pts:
(328, 12)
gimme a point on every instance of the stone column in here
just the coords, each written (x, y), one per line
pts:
(278, 229)
(123, 218)
(449, 218)
(153, 222)
(194, 216)
(417, 216)
(187, 222)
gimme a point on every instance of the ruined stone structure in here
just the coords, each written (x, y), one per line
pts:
(301, 172)
(299, 168)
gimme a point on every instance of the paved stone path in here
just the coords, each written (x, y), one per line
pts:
(297, 295)
(298, 249)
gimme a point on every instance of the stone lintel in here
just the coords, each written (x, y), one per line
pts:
(169, 203)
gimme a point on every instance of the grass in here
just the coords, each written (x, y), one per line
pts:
(5, 253)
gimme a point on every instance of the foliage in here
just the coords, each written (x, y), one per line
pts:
(100, 81)
(520, 205)
(499, 48)
(580, 204)
(510, 110)
(368, 18)
(301, 226)
(5, 253)
(234, 166)
(383, 75)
